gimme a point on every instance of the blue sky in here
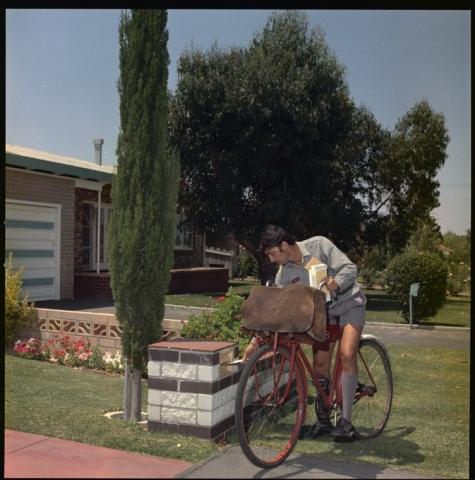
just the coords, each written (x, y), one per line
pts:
(62, 69)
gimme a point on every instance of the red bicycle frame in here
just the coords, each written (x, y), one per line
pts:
(297, 356)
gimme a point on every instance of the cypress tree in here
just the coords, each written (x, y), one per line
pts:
(144, 194)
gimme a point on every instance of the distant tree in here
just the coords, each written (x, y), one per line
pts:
(426, 238)
(408, 186)
(459, 246)
(457, 249)
(144, 194)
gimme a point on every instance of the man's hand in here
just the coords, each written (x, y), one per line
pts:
(331, 284)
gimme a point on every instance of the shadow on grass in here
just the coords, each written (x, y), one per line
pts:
(392, 447)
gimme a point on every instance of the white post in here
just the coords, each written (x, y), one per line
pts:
(98, 255)
(410, 310)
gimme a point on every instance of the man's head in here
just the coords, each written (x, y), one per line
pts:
(277, 244)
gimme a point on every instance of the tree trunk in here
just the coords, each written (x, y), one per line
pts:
(127, 390)
(137, 395)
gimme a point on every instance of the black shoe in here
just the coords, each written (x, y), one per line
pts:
(344, 431)
(318, 429)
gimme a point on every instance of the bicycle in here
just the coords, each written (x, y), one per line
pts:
(272, 394)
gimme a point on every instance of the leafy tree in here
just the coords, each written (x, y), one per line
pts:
(260, 132)
(144, 193)
(269, 134)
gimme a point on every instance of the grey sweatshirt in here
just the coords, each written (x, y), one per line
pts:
(339, 266)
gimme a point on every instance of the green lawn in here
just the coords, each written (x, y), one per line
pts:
(426, 433)
(381, 307)
(428, 429)
(69, 403)
(210, 299)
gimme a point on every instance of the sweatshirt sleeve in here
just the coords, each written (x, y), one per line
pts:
(342, 268)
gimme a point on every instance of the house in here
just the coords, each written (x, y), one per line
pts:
(56, 214)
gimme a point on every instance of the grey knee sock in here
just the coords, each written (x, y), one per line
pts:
(348, 388)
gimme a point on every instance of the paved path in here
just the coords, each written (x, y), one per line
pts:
(35, 456)
(231, 463)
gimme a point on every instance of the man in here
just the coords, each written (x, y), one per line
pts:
(348, 307)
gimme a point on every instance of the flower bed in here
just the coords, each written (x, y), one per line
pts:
(63, 350)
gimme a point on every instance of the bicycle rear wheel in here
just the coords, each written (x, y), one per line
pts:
(268, 421)
(374, 392)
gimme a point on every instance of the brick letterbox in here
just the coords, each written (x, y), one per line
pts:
(192, 387)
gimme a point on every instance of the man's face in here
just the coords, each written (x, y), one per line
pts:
(279, 254)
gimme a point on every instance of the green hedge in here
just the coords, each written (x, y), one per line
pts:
(427, 269)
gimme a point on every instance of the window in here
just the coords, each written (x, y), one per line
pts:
(89, 235)
(184, 234)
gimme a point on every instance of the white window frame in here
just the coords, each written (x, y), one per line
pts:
(105, 217)
(182, 246)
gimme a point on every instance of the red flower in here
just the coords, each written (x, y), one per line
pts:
(221, 298)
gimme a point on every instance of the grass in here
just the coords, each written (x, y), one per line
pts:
(427, 431)
(428, 428)
(241, 287)
(62, 402)
(381, 307)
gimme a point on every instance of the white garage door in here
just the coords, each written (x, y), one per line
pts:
(32, 235)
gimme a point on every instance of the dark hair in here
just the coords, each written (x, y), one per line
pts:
(273, 236)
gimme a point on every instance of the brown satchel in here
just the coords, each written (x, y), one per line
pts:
(293, 309)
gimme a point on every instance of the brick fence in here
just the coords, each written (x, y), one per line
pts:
(101, 329)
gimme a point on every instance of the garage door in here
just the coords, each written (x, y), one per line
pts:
(32, 235)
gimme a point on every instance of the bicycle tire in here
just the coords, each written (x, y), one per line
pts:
(267, 428)
(374, 393)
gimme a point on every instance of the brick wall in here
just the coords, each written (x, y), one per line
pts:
(199, 280)
(28, 186)
(90, 284)
(194, 280)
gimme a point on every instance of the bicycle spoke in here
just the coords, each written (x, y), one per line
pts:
(268, 414)
(373, 397)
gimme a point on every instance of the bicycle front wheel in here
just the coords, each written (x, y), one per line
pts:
(374, 392)
(268, 415)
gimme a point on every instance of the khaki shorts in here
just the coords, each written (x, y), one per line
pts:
(349, 311)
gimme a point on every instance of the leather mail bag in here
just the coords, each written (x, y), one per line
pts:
(292, 309)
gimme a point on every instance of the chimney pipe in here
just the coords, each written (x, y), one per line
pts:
(98, 142)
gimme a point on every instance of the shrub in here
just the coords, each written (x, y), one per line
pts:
(224, 323)
(429, 271)
(18, 312)
(247, 264)
(454, 286)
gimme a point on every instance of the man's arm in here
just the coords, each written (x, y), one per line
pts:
(345, 270)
